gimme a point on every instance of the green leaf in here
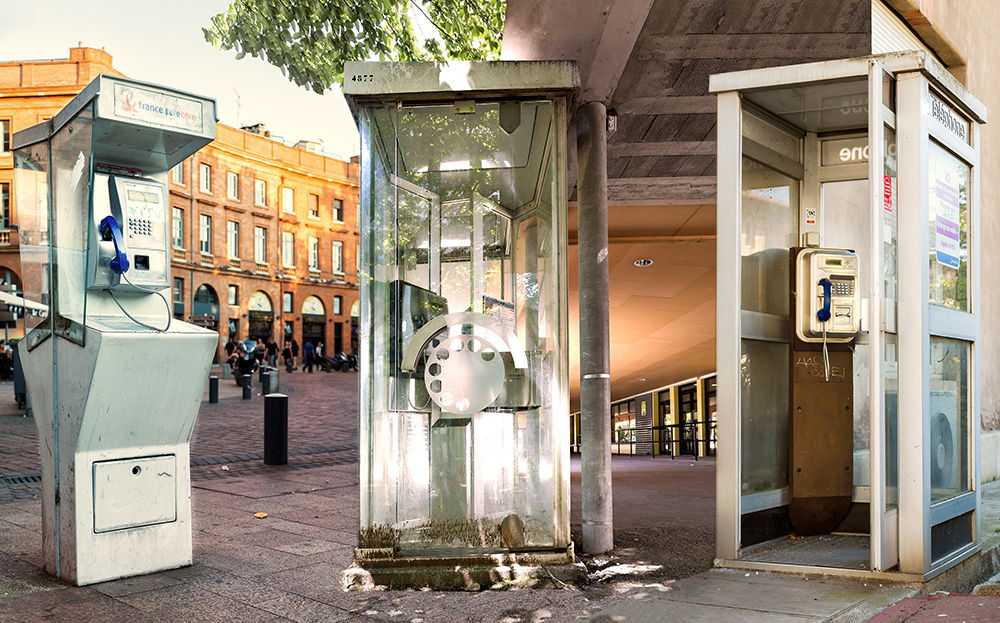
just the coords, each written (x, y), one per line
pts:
(310, 41)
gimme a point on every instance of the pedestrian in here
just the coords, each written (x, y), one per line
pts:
(272, 352)
(295, 353)
(309, 351)
(286, 354)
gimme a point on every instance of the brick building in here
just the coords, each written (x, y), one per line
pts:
(264, 234)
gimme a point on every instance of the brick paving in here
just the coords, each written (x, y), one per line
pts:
(322, 420)
(285, 567)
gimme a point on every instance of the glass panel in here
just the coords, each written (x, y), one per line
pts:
(890, 364)
(462, 227)
(890, 375)
(888, 91)
(844, 207)
(890, 192)
(951, 535)
(819, 107)
(31, 184)
(949, 229)
(949, 418)
(764, 404)
(71, 148)
(770, 228)
(413, 218)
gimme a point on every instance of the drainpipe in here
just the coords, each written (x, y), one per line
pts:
(595, 377)
(193, 222)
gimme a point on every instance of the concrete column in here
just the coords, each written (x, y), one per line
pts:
(595, 380)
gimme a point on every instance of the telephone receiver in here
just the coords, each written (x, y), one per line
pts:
(111, 230)
(468, 355)
(823, 315)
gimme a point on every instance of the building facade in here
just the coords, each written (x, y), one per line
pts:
(265, 240)
(264, 234)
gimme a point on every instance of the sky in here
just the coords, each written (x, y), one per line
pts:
(161, 42)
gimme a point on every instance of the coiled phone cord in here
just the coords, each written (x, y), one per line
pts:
(139, 322)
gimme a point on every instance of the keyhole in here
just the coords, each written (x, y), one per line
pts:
(136, 470)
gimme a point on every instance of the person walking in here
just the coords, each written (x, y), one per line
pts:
(272, 352)
(295, 353)
(309, 351)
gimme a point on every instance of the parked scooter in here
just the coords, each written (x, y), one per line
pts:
(244, 360)
(344, 362)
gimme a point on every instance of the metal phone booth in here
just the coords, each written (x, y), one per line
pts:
(464, 447)
(115, 383)
(848, 315)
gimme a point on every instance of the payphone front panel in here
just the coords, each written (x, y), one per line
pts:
(828, 300)
(138, 207)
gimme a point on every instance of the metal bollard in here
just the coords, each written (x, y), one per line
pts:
(246, 386)
(213, 389)
(265, 383)
(276, 429)
(261, 372)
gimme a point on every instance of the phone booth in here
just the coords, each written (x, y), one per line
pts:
(848, 316)
(114, 381)
(464, 371)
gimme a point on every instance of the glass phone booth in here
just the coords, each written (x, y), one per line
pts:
(464, 370)
(848, 315)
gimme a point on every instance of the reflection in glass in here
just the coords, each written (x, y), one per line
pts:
(949, 418)
(890, 372)
(71, 147)
(31, 183)
(890, 193)
(948, 228)
(847, 226)
(770, 227)
(890, 363)
(764, 405)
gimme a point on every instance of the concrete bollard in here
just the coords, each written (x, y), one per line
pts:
(275, 429)
(227, 372)
(275, 385)
(213, 390)
(265, 383)
(246, 386)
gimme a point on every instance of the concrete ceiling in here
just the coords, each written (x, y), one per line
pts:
(649, 62)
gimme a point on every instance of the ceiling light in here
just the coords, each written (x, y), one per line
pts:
(644, 262)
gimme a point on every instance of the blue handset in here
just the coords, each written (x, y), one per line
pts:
(823, 314)
(109, 227)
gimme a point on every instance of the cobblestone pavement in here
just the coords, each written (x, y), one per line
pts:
(322, 419)
(285, 567)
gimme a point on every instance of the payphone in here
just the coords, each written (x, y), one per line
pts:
(829, 303)
(464, 386)
(826, 306)
(128, 235)
(115, 382)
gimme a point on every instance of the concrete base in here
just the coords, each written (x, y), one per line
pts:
(371, 571)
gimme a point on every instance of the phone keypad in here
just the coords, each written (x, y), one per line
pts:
(843, 288)
(140, 226)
